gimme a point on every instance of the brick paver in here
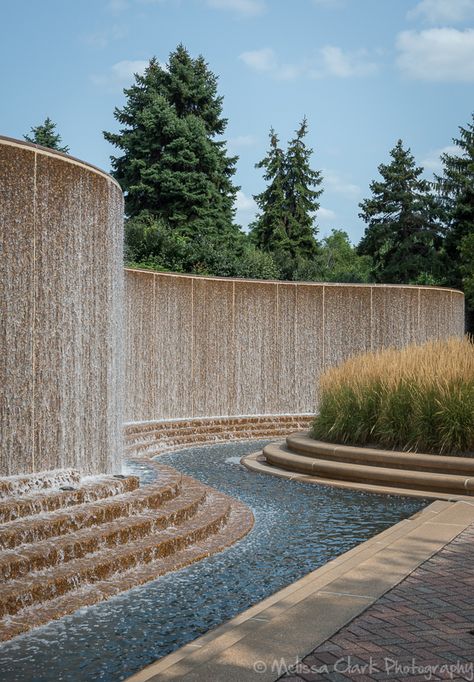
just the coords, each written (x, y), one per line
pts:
(422, 629)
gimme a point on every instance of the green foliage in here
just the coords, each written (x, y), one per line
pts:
(152, 244)
(338, 260)
(466, 267)
(46, 136)
(404, 233)
(456, 192)
(420, 398)
(285, 226)
(174, 170)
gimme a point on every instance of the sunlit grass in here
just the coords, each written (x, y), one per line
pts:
(420, 398)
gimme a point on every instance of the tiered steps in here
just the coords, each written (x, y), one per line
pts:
(368, 468)
(64, 549)
(151, 438)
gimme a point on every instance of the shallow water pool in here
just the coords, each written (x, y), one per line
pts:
(298, 527)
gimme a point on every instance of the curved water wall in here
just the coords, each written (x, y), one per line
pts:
(202, 346)
(61, 370)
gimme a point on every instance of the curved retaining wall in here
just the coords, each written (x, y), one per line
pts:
(61, 370)
(201, 346)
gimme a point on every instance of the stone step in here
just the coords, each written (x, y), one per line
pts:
(26, 483)
(45, 585)
(225, 426)
(163, 443)
(58, 551)
(302, 444)
(240, 521)
(92, 489)
(279, 456)
(90, 514)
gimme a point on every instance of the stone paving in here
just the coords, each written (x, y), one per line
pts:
(422, 629)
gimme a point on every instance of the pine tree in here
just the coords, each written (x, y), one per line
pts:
(403, 234)
(46, 136)
(173, 170)
(269, 231)
(285, 225)
(456, 190)
(301, 183)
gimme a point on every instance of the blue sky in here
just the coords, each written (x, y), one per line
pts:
(364, 72)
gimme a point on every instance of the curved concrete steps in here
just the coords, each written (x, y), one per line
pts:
(302, 444)
(57, 561)
(239, 522)
(15, 507)
(36, 528)
(366, 468)
(152, 438)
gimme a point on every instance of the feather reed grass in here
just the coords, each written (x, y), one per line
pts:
(420, 398)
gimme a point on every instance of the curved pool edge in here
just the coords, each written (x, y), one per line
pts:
(257, 463)
(276, 629)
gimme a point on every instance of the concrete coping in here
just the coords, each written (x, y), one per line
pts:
(292, 622)
(256, 462)
(47, 151)
(355, 285)
(303, 444)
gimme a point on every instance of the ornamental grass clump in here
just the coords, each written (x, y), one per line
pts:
(420, 398)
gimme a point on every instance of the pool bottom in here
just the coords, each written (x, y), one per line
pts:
(298, 527)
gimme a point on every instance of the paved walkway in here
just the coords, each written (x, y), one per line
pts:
(422, 629)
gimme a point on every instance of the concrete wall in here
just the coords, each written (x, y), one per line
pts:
(198, 346)
(61, 370)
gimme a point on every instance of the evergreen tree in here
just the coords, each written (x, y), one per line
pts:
(269, 231)
(456, 190)
(173, 169)
(285, 225)
(403, 234)
(46, 136)
(301, 183)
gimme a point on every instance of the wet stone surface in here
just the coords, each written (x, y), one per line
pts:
(298, 527)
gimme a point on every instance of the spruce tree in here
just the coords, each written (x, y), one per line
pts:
(456, 191)
(403, 234)
(302, 194)
(173, 169)
(285, 225)
(269, 231)
(46, 136)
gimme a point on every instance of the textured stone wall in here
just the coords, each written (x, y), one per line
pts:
(198, 347)
(61, 369)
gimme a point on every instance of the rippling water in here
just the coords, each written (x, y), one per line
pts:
(298, 527)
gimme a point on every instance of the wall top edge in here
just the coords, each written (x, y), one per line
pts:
(46, 151)
(180, 275)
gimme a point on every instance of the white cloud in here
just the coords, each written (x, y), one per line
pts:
(246, 208)
(342, 64)
(326, 214)
(120, 74)
(244, 7)
(433, 163)
(330, 61)
(243, 203)
(443, 11)
(437, 54)
(260, 60)
(335, 183)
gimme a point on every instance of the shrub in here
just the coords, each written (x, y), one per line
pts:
(420, 398)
